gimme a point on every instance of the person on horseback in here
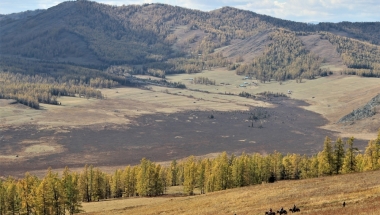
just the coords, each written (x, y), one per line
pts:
(294, 207)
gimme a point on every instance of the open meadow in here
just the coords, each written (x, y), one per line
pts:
(158, 109)
(360, 192)
(163, 124)
(333, 97)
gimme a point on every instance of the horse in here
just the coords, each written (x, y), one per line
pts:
(270, 213)
(294, 210)
(282, 212)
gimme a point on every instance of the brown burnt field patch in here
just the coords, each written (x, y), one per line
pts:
(285, 127)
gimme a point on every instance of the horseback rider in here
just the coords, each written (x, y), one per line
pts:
(294, 207)
(282, 209)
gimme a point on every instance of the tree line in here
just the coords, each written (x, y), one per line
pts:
(361, 58)
(54, 194)
(33, 90)
(284, 58)
(203, 80)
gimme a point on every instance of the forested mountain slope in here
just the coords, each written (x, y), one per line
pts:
(172, 39)
(20, 15)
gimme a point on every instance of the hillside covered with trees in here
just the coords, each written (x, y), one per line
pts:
(62, 194)
(95, 45)
(150, 36)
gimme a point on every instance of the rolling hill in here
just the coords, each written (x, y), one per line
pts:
(71, 57)
(323, 195)
(169, 38)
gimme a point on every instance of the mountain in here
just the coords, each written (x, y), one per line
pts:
(21, 15)
(169, 38)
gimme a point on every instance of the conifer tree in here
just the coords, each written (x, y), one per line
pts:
(57, 192)
(255, 169)
(44, 201)
(377, 142)
(360, 162)
(201, 179)
(86, 183)
(237, 173)
(145, 178)
(71, 191)
(222, 172)
(371, 156)
(127, 181)
(174, 170)
(164, 178)
(180, 174)
(98, 185)
(27, 188)
(131, 181)
(349, 163)
(325, 158)
(338, 155)
(3, 208)
(314, 169)
(287, 171)
(157, 187)
(209, 184)
(12, 197)
(295, 160)
(190, 171)
(246, 161)
(305, 167)
(117, 187)
(277, 166)
(107, 186)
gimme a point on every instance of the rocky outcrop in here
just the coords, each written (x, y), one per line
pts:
(366, 111)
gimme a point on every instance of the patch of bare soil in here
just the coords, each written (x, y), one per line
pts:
(248, 48)
(4, 102)
(341, 33)
(187, 39)
(286, 128)
(324, 49)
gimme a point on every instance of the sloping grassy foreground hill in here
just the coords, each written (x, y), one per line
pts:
(325, 195)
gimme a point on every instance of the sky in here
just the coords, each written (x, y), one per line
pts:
(295, 10)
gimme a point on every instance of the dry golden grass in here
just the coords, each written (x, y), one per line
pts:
(360, 191)
(333, 97)
(121, 107)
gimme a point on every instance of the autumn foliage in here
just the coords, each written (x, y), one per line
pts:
(56, 194)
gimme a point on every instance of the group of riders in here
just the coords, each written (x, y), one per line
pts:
(282, 211)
